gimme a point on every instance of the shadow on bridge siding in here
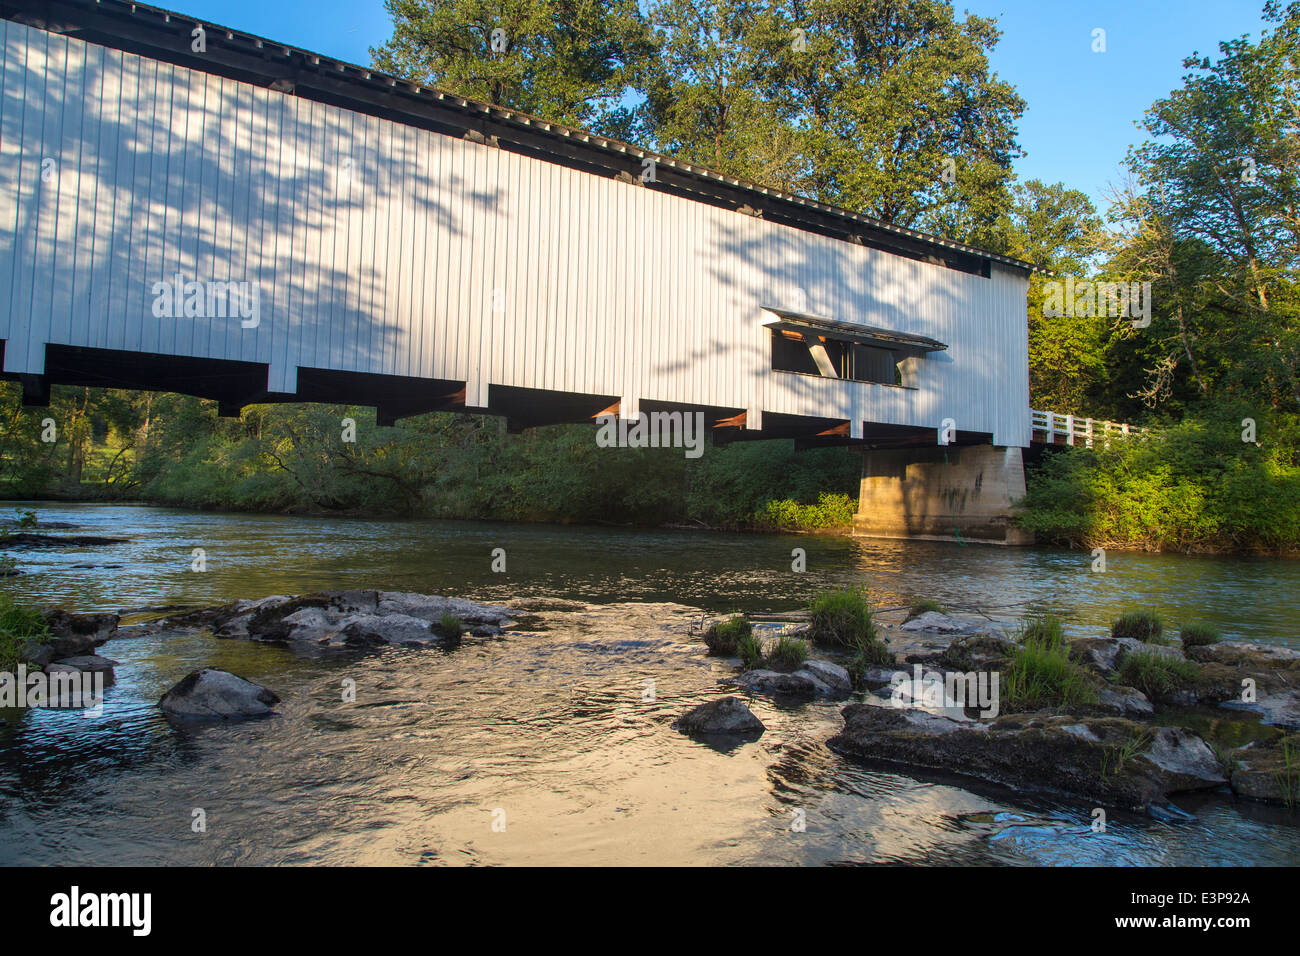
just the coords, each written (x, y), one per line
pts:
(161, 172)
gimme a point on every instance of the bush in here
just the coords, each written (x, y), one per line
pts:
(1155, 675)
(1143, 625)
(723, 638)
(1198, 635)
(830, 511)
(788, 652)
(18, 626)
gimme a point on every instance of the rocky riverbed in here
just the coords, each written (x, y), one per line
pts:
(1230, 724)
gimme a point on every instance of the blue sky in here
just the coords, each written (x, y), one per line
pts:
(1082, 105)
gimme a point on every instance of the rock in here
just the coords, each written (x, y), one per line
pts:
(1099, 653)
(976, 652)
(728, 715)
(210, 694)
(388, 629)
(1277, 708)
(355, 618)
(1124, 702)
(830, 674)
(486, 630)
(831, 681)
(1130, 645)
(77, 634)
(1107, 760)
(873, 677)
(1259, 771)
(934, 621)
(89, 664)
(36, 653)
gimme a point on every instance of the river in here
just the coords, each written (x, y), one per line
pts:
(553, 745)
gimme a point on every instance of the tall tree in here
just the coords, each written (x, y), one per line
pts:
(570, 61)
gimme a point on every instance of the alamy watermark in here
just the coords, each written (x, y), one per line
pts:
(1114, 299)
(930, 689)
(654, 430)
(177, 298)
(83, 689)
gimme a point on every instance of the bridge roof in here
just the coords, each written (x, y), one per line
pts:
(165, 35)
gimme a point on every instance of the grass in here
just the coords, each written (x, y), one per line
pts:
(1155, 675)
(1143, 625)
(1043, 631)
(843, 619)
(1041, 674)
(749, 647)
(1113, 759)
(449, 627)
(1198, 635)
(723, 638)
(18, 626)
(1288, 778)
(787, 652)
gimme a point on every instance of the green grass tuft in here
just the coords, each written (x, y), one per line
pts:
(18, 626)
(1155, 675)
(723, 638)
(449, 628)
(1043, 632)
(1042, 675)
(923, 606)
(749, 646)
(1198, 635)
(787, 652)
(1143, 625)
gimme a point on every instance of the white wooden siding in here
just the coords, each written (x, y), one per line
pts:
(393, 266)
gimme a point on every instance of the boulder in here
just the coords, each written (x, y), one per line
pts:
(832, 675)
(1277, 708)
(826, 681)
(1106, 760)
(977, 652)
(728, 715)
(1130, 645)
(1242, 654)
(1101, 654)
(210, 694)
(387, 629)
(1124, 702)
(88, 664)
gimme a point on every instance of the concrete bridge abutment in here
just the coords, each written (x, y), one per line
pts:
(951, 492)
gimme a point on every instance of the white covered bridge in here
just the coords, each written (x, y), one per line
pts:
(213, 213)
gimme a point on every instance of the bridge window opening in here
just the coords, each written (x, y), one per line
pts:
(834, 358)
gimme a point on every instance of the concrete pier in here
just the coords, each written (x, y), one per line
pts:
(943, 493)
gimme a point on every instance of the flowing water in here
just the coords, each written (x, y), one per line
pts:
(553, 744)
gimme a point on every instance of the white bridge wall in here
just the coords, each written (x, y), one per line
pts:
(382, 248)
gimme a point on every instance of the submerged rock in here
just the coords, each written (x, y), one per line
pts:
(210, 694)
(1110, 760)
(346, 618)
(86, 664)
(935, 621)
(822, 679)
(728, 715)
(1267, 771)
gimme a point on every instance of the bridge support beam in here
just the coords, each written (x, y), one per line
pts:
(949, 493)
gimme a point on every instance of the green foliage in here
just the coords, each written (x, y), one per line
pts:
(830, 511)
(1043, 632)
(449, 627)
(1040, 674)
(1158, 676)
(723, 638)
(787, 653)
(749, 647)
(843, 619)
(1198, 635)
(1196, 487)
(1142, 625)
(18, 626)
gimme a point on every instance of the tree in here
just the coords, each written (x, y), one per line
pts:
(569, 61)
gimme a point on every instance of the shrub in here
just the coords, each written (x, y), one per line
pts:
(1155, 675)
(1198, 635)
(1042, 675)
(18, 626)
(750, 648)
(788, 652)
(723, 638)
(1143, 625)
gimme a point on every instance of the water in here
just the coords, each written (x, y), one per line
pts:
(549, 730)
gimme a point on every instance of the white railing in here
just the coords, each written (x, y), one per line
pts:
(1073, 428)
